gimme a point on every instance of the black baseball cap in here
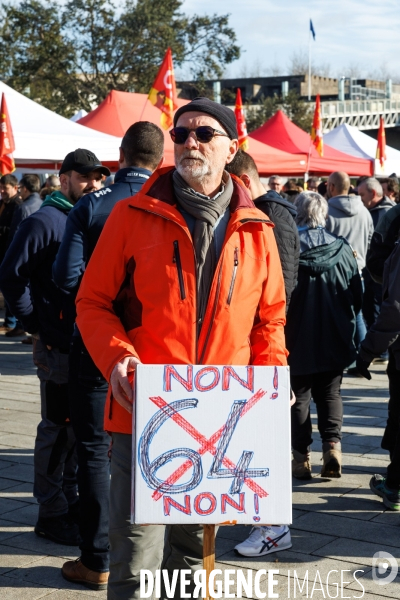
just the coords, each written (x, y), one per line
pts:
(83, 161)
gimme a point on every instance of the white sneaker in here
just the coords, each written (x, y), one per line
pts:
(265, 540)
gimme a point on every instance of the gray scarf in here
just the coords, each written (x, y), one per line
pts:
(206, 211)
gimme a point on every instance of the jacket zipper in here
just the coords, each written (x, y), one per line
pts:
(194, 257)
(219, 289)
(235, 267)
(177, 260)
(213, 312)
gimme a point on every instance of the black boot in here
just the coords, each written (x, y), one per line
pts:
(61, 530)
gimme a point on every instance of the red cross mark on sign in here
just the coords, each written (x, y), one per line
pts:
(206, 445)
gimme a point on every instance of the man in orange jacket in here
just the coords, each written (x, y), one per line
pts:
(185, 272)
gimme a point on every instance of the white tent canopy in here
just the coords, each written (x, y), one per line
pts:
(353, 141)
(43, 138)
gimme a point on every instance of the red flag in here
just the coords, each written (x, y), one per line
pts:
(163, 93)
(7, 145)
(316, 130)
(381, 147)
(241, 122)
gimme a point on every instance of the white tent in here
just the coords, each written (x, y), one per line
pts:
(43, 138)
(353, 141)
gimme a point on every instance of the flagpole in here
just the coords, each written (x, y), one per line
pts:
(309, 63)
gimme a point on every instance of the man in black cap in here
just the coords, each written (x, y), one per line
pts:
(27, 285)
(190, 274)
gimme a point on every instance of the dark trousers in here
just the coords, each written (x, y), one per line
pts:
(324, 388)
(55, 455)
(87, 396)
(391, 437)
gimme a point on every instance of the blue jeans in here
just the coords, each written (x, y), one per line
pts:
(361, 330)
(87, 397)
(10, 320)
(372, 303)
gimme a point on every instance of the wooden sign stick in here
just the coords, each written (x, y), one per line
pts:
(208, 553)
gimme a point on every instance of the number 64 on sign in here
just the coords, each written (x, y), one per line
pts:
(211, 444)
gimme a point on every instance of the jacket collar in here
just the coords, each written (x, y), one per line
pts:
(160, 187)
(157, 197)
(32, 197)
(272, 196)
(132, 175)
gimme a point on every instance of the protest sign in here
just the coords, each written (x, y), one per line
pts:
(211, 445)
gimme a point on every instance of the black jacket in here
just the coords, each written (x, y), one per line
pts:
(85, 224)
(282, 214)
(321, 319)
(26, 280)
(5, 223)
(385, 236)
(386, 329)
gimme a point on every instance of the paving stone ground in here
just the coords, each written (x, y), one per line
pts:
(338, 524)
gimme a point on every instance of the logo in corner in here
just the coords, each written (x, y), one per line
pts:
(384, 568)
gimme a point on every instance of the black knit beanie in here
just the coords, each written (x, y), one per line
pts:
(219, 112)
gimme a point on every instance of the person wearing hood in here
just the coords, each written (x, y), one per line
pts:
(349, 218)
(280, 211)
(28, 287)
(319, 334)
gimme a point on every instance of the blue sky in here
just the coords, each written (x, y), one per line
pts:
(353, 37)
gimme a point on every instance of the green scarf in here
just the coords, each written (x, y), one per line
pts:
(58, 200)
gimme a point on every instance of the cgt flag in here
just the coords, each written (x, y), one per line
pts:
(316, 130)
(7, 145)
(381, 147)
(241, 122)
(163, 93)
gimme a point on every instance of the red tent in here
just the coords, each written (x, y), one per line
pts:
(279, 132)
(119, 110)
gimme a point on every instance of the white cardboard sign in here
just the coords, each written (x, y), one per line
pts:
(211, 445)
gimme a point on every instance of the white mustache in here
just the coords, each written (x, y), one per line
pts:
(192, 154)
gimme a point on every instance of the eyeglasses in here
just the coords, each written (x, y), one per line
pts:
(204, 134)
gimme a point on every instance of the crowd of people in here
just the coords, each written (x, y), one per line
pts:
(195, 264)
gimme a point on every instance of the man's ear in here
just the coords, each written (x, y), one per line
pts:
(246, 180)
(233, 148)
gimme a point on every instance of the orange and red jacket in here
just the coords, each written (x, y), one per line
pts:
(138, 294)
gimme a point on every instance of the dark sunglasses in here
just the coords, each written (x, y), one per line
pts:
(204, 134)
